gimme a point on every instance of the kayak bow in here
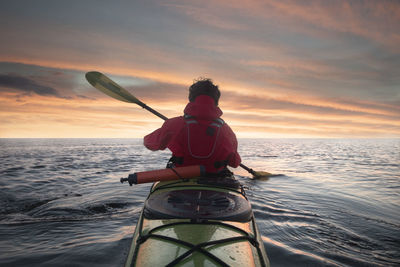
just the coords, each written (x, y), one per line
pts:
(197, 222)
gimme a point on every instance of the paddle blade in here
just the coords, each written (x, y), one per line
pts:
(109, 87)
(262, 175)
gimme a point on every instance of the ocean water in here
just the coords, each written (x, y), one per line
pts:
(337, 202)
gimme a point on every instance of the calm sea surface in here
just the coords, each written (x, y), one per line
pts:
(337, 202)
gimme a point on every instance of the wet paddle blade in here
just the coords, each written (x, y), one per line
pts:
(109, 87)
(262, 175)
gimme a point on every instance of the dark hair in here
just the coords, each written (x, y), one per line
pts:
(204, 86)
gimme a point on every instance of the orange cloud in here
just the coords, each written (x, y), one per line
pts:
(47, 116)
(39, 116)
(284, 67)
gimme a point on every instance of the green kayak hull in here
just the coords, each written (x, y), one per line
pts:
(197, 223)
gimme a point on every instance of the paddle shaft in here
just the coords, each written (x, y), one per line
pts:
(247, 169)
(158, 114)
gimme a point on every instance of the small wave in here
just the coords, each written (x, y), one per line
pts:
(280, 254)
(26, 206)
(14, 169)
(59, 211)
(279, 216)
(64, 159)
(38, 167)
(23, 219)
(378, 164)
(49, 208)
(107, 207)
(56, 211)
(23, 207)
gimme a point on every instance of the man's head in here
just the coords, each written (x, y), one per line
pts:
(204, 86)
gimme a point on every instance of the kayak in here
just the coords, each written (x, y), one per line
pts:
(197, 222)
(190, 222)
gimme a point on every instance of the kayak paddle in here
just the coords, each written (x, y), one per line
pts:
(111, 88)
(256, 175)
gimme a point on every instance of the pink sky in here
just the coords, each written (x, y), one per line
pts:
(285, 68)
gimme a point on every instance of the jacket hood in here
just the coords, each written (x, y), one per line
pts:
(203, 107)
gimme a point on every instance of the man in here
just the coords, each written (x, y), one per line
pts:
(199, 137)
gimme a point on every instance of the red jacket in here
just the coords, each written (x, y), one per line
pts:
(214, 148)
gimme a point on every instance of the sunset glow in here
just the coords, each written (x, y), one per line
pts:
(285, 68)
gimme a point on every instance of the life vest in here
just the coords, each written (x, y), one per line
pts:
(200, 142)
(202, 137)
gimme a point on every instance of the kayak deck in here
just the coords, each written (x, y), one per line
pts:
(187, 223)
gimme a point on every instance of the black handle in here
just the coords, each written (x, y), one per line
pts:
(132, 179)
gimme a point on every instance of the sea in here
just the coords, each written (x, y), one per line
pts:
(334, 202)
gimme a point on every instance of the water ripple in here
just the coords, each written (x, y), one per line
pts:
(336, 204)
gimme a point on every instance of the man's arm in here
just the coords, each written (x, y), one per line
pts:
(160, 138)
(234, 159)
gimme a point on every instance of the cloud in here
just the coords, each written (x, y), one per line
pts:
(349, 48)
(28, 79)
(262, 45)
(373, 20)
(291, 64)
(203, 14)
(26, 85)
(316, 108)
(160, 92)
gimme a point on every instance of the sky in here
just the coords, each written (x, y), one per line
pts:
(286, 69)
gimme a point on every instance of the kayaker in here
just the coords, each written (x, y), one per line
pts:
(200, 136)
